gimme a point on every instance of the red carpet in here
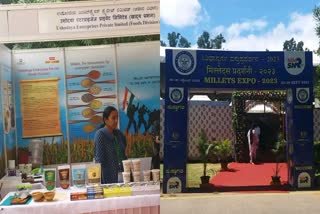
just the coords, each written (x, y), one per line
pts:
(248, 177)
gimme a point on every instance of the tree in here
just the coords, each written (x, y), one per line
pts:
(316, 16)
(291, 45)
(184, 43)
(217, 41)
(163, 44)
(173, 39)
(205, 42)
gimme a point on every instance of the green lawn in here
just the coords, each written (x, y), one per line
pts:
(195, 171)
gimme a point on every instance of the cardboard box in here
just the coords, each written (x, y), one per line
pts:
(75, 196)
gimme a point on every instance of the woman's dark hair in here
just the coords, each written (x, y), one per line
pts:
(106, 113)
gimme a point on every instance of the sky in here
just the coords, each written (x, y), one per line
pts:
(247, 25)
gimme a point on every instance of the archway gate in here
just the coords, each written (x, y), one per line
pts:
(239, 117)
(291, 71)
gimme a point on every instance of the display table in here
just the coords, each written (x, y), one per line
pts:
(10, 183)
(142, 204)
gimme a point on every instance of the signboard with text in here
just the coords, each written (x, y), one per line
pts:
(78, 20)
(237, 69)
(291, 71)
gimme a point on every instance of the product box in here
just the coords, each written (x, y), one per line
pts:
(116, 191)
(94, 192)
(75, 196)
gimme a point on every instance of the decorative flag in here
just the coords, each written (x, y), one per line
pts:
(127, 100)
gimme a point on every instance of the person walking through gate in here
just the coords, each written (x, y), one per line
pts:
(253, 141)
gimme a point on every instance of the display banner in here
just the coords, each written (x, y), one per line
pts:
(301, 111)
(7, 118)
(139, 88)
(237, 69)
(91, 86)
(299, 123)
(39, 80)
(176, 144)
(187, 68)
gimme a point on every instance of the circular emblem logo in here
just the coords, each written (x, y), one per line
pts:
(303, 95)
(176, 95)
(294, 62)
(184, 63)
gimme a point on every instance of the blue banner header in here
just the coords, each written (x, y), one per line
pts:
(239, 69)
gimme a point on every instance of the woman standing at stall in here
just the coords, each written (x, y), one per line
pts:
(109, 147)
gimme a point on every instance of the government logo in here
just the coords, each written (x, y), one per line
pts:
(302, 95)
(184, 61)
(176, 95)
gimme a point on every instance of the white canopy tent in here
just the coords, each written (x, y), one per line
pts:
(261, 108)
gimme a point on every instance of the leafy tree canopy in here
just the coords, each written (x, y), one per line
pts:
(205, 42)
(217, 41)
(163, 44)
(177, 40)
(184, 43)
(173, 39)
(316, 16)
(292, 45)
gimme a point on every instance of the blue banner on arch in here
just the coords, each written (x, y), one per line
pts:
(239, 69)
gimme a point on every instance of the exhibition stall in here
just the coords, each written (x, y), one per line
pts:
(52, 100)
(78, 189)
(55, 99)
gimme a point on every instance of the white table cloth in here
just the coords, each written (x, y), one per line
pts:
(10, 183)
(139, 204)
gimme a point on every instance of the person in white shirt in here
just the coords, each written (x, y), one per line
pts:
(253, 141)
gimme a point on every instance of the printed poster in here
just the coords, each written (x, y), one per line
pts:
(139, 88)
(39, 67)
(40, 108)
(91, 86)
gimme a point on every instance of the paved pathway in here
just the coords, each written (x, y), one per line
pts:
(242, 203)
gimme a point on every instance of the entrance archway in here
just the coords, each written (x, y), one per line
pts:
(290, 71)
(271, 124)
